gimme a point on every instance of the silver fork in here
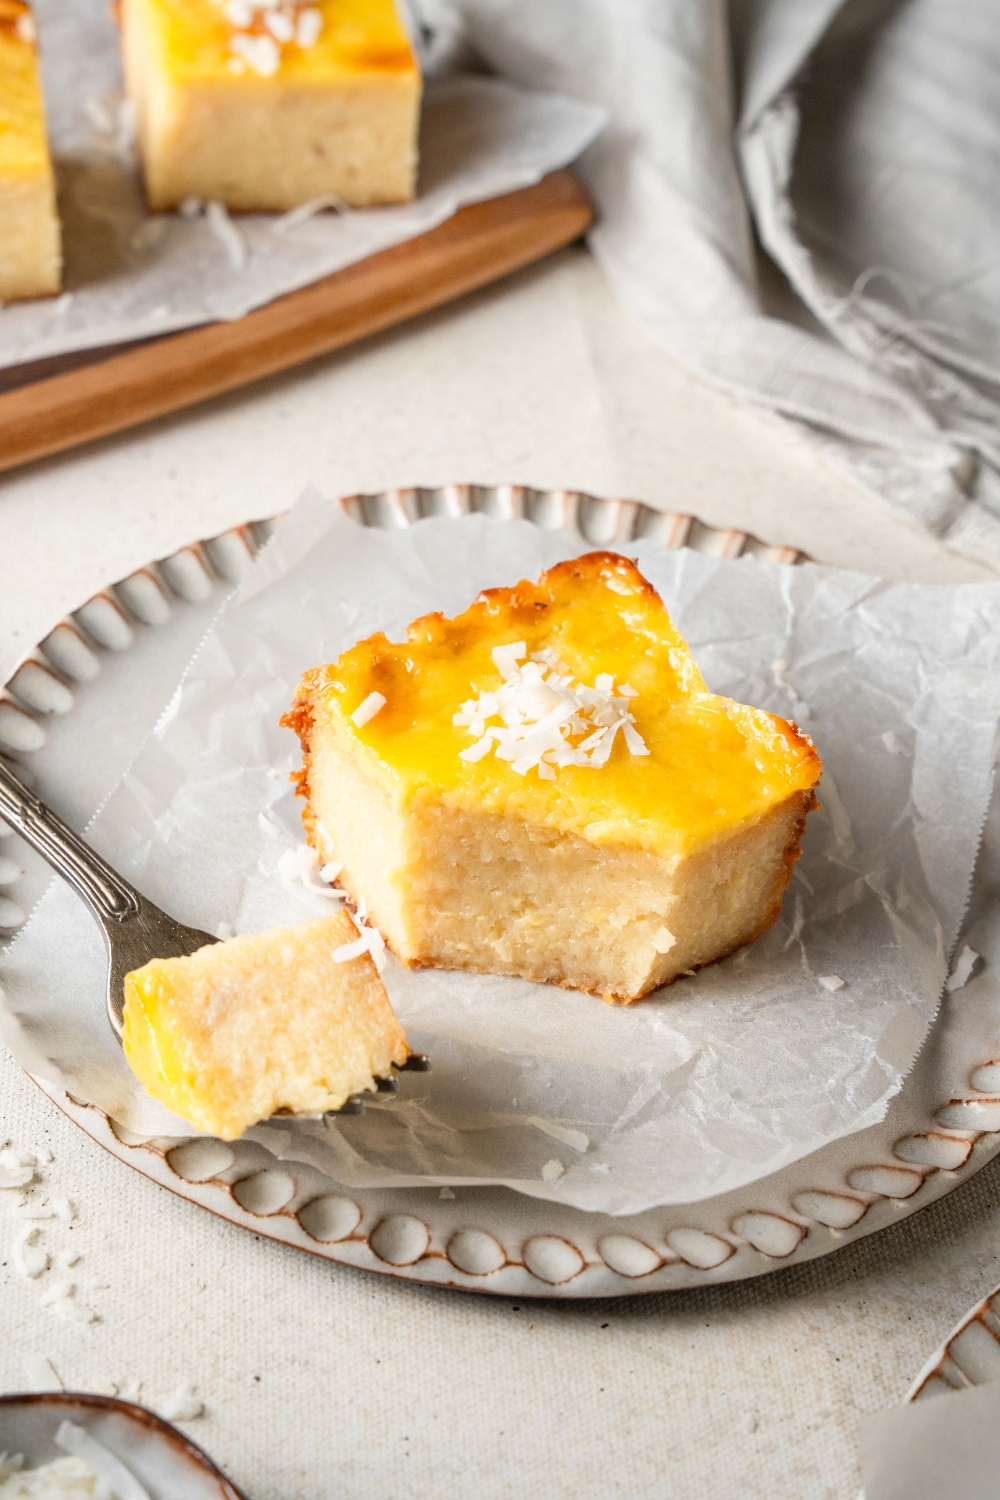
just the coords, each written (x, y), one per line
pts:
(134, 929)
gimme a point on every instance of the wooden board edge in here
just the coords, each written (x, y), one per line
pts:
(478, 245)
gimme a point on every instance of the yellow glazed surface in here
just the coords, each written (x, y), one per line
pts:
(714, 765)
(24, 151)
(359, 38)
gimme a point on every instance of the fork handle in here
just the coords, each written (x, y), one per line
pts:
(111, 898)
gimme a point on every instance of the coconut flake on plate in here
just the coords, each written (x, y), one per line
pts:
(285, 223)
(778, 670)
(117, 1479)
(962, 972)
(301, 864)
(218, 220)
(561, 1133)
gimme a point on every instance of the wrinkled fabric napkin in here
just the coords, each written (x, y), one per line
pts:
(800, 201)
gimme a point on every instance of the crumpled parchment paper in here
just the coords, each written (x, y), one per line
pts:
(711, 1083)
(132, 275)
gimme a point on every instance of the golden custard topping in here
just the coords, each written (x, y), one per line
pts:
(689, 769)
(24, 149)
(338, 38)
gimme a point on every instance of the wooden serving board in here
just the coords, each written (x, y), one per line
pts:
(110, 390)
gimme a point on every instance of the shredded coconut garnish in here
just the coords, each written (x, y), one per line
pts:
(59, 1479)
(308, 27)
(280, 24)
(61, 1298)
(301, 864)
(17, 1168)
(117, 1479)
(962, 972)
(262, 28)
(285, 223)
(39, 1213)
(183, 1405)
(258, 51)
(831, 981)
(368, 709)
(562, 1133)
(552, 1169)
(30, 1260)
(778, 670)
(232, 241)
(369, 940)
(41, 1373)
(549, 720)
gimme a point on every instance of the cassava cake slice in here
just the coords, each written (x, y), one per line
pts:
(543, 786)
(30, 239)
(275, 1021)
(264, 105)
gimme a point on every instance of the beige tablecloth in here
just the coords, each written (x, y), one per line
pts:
(321, 1382)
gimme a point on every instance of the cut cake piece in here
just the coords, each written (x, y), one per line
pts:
(264, 105)
(30, 240)
(502, 806)
(259, 1024)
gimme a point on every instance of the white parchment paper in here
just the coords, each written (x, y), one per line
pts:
(131, 275)
(711, 1083)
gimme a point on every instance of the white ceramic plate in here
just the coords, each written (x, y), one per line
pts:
(163, 1459)
(940, 1129)
(969, 1356)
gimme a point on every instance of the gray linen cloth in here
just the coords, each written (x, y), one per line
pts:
(800, 201)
